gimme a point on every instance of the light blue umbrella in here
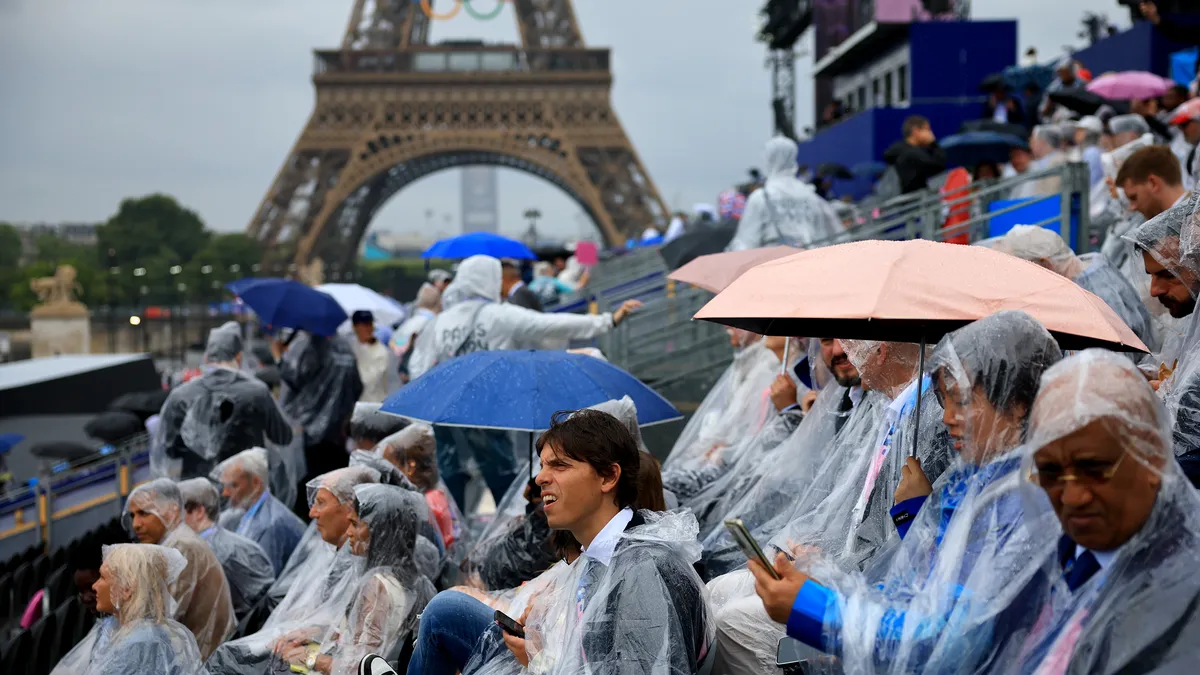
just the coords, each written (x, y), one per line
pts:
(479, 243)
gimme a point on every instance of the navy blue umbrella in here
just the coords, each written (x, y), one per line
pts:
(971, 148)
(479, 243)
(521, 391)
(283, 303)
(9, 441)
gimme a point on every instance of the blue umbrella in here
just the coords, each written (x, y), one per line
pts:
(479, 243)
(971, 148)
(520, 391)
(284, 303)
(9, 441)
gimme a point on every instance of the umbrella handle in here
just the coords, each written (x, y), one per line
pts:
(920, 395)
(783, 368)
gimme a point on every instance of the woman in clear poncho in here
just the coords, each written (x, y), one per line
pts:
(731, 414)
(154, 513)
(389, 596)
(143, 638)
(786, 210)
(247, 567)
(322, 587)
(941, 599)
(1102, 448)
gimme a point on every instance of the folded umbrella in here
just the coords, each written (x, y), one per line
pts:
(975, 147)
(479, 243)
(714, 272)
(284, 303)
(114, 426)
(1131, 85)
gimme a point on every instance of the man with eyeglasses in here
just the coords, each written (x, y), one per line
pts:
(1130, 520)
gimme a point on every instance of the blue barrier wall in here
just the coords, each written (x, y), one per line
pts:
(950, 59)
(1139, 48)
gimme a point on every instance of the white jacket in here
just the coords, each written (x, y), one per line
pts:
(475, 320)
(786, 210)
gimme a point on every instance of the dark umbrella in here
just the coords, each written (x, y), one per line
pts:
(1084, 102)
(58, 451)
(993, 82)
(834, 170)
(976, 147)
(140, 403)
(1018, 130)
(114, 426)
(285, 303)
(1019, 77)
(703, 241)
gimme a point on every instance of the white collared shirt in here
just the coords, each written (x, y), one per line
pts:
(602, 547)
(856, 395)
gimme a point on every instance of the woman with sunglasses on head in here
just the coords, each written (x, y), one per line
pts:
(967, 563)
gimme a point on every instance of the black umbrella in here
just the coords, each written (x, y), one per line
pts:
(1018, 130)
(114, 426)
(696, 243)
(140, 403)
(834, 170)
(1084, 102)
(58, 451)
(993, 82)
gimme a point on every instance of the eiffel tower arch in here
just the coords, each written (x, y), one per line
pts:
(391, 109)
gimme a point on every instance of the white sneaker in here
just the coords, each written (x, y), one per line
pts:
(373, 664)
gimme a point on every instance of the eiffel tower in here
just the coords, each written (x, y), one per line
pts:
(391, 108)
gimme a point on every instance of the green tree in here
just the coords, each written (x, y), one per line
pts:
(143, 227)
(10, 246)
(225, 258)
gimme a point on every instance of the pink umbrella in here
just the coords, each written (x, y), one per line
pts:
(715, 271)
(1131, 85)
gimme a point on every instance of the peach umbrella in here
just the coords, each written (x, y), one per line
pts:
(910, 291)
(715, 271)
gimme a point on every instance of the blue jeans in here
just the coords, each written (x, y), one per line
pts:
(451, 625)
(493, 451)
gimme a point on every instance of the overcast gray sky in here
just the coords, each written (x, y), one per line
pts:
(202, 99)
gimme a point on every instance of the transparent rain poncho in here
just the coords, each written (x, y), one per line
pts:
(945, 598)
(643, 612)
(267, 521)
(1139, 614)
(475, 320)
(412, 452)
(218, 414)
(201, 593)
(368, 426)
(392, 592)
(732, 413)
(141, 637)
(786, 210)
(320, 386)
(247, 568)
(322, 586)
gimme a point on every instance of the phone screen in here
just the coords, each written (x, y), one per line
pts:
(509, 625)
(748, 546)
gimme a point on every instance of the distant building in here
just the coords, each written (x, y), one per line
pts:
(82, 234)
(480, 200)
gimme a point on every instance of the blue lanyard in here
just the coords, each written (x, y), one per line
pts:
(209, 532)
(253, 510)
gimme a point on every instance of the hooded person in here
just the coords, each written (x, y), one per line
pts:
(247, 567)
(1126, 594)
(154, 513)
(218, 414)
(786, 210)
(267, 521)
(1046, 142)
(971, 546)
(320, 385)
(732, 412)
(322, 588)
(369, 426)
(474, 320)
(1090, 271)
(1175, 281)
(134, 588)
(413, 450)
(391, 593)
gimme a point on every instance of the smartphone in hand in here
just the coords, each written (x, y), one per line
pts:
(509, 625)
(749, 547)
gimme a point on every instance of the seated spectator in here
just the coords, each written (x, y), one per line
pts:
(154, 512)
(917, 157)
(390, 596)
(247, 567)
(86, 572)
(414, 451)
(632, 596)
(267, 522)
(134, 588)
(1151, 181)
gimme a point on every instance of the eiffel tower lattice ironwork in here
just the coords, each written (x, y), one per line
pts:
(392, 108)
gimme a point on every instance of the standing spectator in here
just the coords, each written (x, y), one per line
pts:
(1002, 107)
(546, 285)
(371, 356)
(514, 289)
(440, 279)
(918, 157)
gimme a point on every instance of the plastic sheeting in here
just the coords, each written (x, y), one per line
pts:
(247, 567)
(1140, 613)
(786, 210)
(201, 591)
(475, 320)
(643, 612)
(368, 426)
(267, 521)
(413, 453)
(392, 592)
(320, 386)
(142, 638)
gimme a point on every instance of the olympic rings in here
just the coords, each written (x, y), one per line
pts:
(459, 5)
